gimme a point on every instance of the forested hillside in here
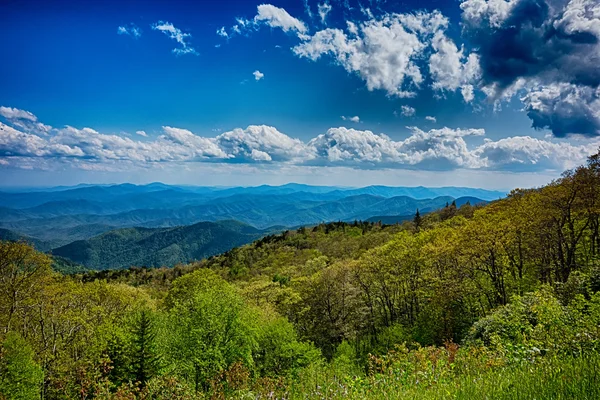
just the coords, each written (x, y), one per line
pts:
(498, 301)
(158, 247)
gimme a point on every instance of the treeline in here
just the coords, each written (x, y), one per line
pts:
(452, 304)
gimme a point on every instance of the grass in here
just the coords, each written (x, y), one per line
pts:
(547, 379)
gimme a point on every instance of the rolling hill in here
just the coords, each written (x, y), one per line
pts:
(154, 247)
(12, 236)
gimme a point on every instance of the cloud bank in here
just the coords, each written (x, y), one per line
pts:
(435, 149)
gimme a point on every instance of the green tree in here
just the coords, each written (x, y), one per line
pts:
(145, 359)
(209, 327)
(20, 375)
(418, 221)
(22, 273)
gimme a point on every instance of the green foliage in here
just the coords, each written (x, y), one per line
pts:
(537, 323)
(210, 327)
(145, 360)
(279, 352)
(20, 375)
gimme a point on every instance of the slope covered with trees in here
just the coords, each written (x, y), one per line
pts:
(156, 247)
(496, 301)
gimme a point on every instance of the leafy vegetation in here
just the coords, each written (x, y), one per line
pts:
(470, 302)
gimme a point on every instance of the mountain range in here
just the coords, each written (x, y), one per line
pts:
(71, 220)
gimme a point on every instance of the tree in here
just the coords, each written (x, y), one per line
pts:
(22, 272)
(145, 360)
(417, 220)
(20, 375)
(209, 327)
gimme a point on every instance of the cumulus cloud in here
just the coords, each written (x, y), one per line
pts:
(540, 46)
(408, 111)
(527, 153)
(350, 146)
(15, 113)
(355, 119)
(141, 133)
(451, 69)
(258, 75)
(267, 15)
(16, 143)
(261, 143)
(543, 39)
(435, 149)
(565, 109)
(176, 34)
(276, 17)
(431, 119)
(130, 30)
(24, 120)
(383, 52)
(324, 9)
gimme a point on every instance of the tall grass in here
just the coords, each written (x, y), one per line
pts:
(546, 378)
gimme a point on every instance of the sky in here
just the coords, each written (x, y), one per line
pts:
(495, 94)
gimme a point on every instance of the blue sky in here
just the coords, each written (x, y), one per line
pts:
(331, 92)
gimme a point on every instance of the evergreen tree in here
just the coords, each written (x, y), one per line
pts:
(417, 220)
(145, 361)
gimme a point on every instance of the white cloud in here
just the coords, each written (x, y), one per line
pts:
(408, 111)
(24, 120)
(185, 145)
(354, 119)
(435, 149)
(351, 146)
(493, 12)
(383, 52)
(276, 17)
(16, 143)
(307, 9)
(141, 133)
(450, 69)
(15, 113)
(255, 141)
(176, 34)
(258, 75)
(324, 10)
(546, 52)
(222, 32)
(131, 30)
(431, 119)
(524, 152)
(564, 108)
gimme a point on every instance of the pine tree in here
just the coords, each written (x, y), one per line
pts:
(417, 220)
(145, 361)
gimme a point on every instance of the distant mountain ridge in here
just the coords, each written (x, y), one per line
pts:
(63, 215)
